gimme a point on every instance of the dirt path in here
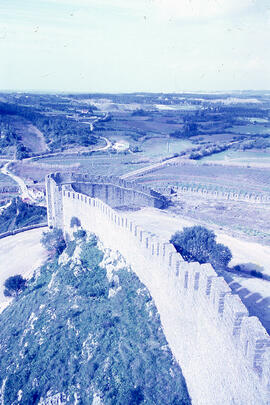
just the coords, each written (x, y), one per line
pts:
(254, 292)
(38, 142)
(23, 187)
(20, 254)
(165, 224)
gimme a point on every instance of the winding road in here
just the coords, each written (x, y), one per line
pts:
(23, 187)
(24, 191)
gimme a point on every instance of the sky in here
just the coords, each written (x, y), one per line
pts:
(134, 45)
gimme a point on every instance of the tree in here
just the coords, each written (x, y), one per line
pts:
(53, 241)
(220, 256)
(75, 222)
(189, 129)
(198, 243)
(14, 285)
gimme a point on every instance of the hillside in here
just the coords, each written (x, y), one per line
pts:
(19, 214)
(86, 331)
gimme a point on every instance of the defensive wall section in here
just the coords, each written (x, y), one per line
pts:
(216, 192)
(24, 229)
(223, 352)
(202, 190)
(114, 191)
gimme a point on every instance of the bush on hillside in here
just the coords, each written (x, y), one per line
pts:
(198, 243)
(53, 241)
(14, 285)
(75, 222)
(91, 256)
(80, 234)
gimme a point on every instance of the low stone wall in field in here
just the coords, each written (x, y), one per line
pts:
(216, 192)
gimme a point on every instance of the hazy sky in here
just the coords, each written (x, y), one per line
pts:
(134, 45)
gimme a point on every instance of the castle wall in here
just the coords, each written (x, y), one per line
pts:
(112, 190)
(114, 196)
(224, 353)
(54, 203)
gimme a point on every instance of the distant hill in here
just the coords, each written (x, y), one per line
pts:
(86, 331)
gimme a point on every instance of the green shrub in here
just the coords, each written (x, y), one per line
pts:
(14, 285)
(256, 274)
(19, 214)
(91, 256)
(80, 234)
(75, 222)
(199, 244)
(53, 241)
(81, 341)
(71, 246)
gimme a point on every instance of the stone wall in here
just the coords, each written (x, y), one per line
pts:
(24, 229)
(9, 189)
(216, 193)
(112, 190)
(224, 353)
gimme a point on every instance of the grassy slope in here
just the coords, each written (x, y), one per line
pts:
(6, 180)
(77, 332)
(20, 214)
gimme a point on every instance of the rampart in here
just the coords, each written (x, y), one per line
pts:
(224, 353)
(112, 190)
(217, 192)
(24, 229)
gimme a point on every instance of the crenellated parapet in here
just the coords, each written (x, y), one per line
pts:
(114, 191)
(216, 192)
(207, 326)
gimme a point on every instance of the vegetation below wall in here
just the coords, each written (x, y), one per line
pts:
(19, 214)
(86, 330)
(61, 132)
(10, 138)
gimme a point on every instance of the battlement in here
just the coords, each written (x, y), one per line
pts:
(112, 190)
(193, 302)
(216, 192)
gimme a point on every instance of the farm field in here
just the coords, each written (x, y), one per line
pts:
(104, 164)
(250, 158)
(252, 129)
(240, 178)
(143, 129)
(236, 217)
(156, 148)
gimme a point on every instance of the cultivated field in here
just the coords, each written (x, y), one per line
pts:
(240, 178)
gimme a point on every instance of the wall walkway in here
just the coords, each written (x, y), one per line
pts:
(224, 353)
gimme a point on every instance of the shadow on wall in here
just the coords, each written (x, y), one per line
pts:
(256, 304)
(250, 270)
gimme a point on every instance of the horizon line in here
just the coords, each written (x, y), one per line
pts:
(134, 92)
